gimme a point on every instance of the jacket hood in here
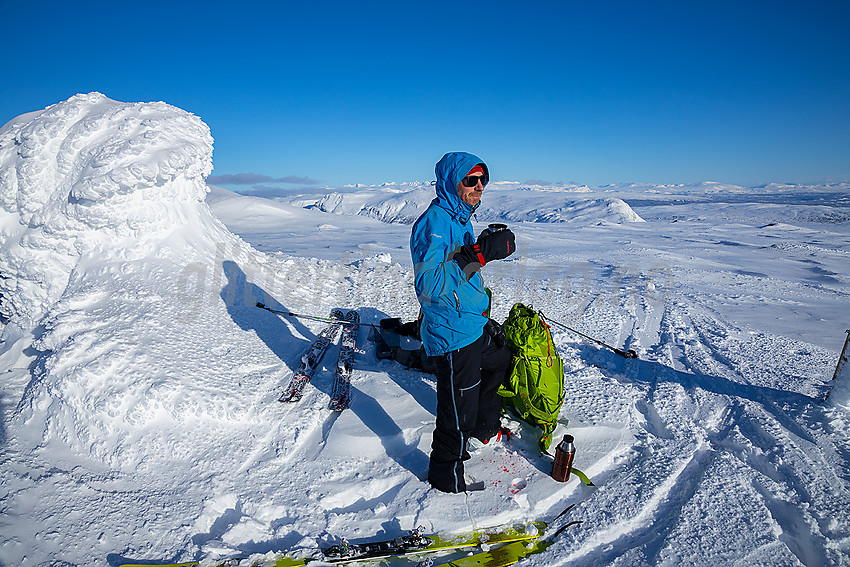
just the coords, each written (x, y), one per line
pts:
(451, 168)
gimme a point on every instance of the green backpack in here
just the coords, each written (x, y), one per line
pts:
(536, 381)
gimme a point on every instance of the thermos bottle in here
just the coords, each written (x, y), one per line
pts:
(565, 452)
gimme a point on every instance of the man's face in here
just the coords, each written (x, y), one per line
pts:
(471, 195)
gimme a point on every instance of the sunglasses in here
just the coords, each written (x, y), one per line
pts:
(472, 180)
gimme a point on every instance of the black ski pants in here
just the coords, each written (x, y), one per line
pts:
(467, 406)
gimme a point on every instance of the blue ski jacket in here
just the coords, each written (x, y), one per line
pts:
(453, 308)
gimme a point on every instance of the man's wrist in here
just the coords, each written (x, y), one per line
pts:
(477, 249)
(469, 260)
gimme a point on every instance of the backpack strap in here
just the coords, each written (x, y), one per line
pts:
(550, 362)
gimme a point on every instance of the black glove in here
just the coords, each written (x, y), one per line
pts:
(496, 332)
(496, 245)
(490, 246)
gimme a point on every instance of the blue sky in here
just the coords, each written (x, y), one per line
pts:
(365, 92)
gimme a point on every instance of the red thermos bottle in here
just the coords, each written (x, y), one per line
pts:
(565, 452)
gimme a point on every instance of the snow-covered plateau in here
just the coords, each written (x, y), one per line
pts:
(140, 420)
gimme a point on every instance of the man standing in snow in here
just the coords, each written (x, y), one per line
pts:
(455, 329)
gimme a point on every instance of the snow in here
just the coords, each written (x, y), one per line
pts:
(507, 202)
(138, 400)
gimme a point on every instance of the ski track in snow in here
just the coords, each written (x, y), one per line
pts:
(139, 412)
(752, 429)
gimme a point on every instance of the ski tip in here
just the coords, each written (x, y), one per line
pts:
(567, 509)
(560, 530)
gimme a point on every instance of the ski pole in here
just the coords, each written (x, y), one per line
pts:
(625, 354)
(311, 317)
(839, 368)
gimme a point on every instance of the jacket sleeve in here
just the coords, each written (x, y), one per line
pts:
(437, 276)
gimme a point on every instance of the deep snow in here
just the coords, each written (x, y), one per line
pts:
(139, 418)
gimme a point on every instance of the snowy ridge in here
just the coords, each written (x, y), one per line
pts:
(749, 213)
(505, 203)
(541, 202)
(538, 207)
(714, 188)
(398, 206)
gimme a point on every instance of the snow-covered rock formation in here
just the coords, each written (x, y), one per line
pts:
(91, 178)
(112, 275)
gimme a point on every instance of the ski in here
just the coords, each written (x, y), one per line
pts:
(341, 393)
(310, 359)
(235, 562)
(512, 552)
(499, 557)
(413, 543)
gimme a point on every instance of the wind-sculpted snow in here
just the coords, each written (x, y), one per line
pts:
(112, 276)
(90, 176)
